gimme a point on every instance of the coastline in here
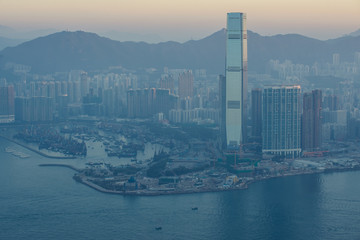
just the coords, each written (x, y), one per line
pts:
(36, 151)
(150, 192)
(138, 192)
(164, 191)
(98, 188)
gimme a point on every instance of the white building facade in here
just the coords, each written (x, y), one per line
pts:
(281, 123)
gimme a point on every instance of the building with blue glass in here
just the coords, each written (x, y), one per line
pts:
(235, 80)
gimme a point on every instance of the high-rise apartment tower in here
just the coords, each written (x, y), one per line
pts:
(256, 112)
(311, 122)
(186, 85)
(281, 121)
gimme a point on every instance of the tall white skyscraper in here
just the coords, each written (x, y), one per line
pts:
(236, 79)
(281, 118)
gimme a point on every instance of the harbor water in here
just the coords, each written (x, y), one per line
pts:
(46, 203)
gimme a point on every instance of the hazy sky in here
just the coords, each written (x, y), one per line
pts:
(184, 19)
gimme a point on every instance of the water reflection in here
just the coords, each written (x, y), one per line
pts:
(48, 202)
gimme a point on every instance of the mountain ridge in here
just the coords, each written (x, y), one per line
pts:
(64, 51)
(9, 42)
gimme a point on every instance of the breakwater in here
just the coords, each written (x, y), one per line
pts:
(59, 165)
(36, 151)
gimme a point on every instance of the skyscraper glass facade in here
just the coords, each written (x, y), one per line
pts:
(236, 79)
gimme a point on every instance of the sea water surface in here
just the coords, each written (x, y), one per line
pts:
(46, 203)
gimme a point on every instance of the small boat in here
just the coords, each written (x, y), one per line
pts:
(158, 228)
(194, 208)
(9, 150)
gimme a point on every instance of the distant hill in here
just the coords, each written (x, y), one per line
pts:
(134, 37)
(355, 33)
(8, 32)
(8, 42)
(64, 51)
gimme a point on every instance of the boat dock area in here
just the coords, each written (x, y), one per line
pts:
(36, 151)
(16, 153)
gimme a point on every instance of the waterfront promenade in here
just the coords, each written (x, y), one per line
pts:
(106, 178)
(156, 190)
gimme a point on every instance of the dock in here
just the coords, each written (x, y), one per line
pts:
(36, 151)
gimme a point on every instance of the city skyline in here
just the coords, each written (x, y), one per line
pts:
(102, 139)
(155, 20)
